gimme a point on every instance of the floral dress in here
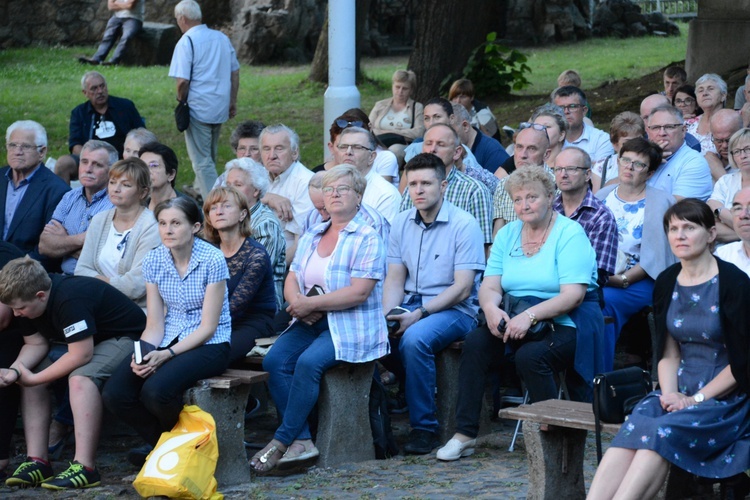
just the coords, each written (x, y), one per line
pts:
(710, 439)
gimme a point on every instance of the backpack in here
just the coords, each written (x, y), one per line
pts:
(380, 421)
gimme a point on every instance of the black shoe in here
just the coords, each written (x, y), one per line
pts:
(88, 60)
(137, 456)
(397, 405)
(110, 63)
(30, 473)
(421, 442)
(76, 477)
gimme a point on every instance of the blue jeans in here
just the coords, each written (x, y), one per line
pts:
(622, 303)
(202, 141)
(129, 28)
(296, 363)
(417, 349)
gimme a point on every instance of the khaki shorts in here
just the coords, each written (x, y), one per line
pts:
(107, 356)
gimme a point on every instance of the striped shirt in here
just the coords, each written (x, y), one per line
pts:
(372, 217)
(267, 231)
(467, 194)
(359, 333)
(183, 296)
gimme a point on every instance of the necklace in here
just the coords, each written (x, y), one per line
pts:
(532, 247)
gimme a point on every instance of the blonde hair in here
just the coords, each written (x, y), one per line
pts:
(405, 75)
(220, 195)
(21, 279)
(358, 181)
(522, 177)
(569, 77)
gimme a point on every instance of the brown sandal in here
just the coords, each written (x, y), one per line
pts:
(266, 459)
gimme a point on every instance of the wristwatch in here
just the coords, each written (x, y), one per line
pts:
(424, 311)
(532, 317)
(625, 280)
(698, 397)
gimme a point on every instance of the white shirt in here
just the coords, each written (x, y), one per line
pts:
(386, 163)
(381, 195)
(292, 185)
(735, 253)
(726, 187)
(595, 142)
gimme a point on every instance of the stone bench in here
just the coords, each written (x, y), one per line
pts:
(152, 46)
(225, 397)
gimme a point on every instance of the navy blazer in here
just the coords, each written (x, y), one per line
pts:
(34, 211)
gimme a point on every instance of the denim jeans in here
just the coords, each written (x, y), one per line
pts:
(538, 362)
(129, 28)
(417, 349)
(296, 363)
(202, 141)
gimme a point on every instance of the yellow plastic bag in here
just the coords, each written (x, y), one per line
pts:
(184, 461)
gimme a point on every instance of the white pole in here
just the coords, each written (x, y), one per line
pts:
(342, 93)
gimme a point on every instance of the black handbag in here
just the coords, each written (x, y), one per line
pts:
(513, 306)
(182, 111)
(615, 395)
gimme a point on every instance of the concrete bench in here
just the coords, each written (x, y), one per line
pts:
(225, 397)
(447, 363)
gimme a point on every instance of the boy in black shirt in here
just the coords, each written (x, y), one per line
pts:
(99, 324)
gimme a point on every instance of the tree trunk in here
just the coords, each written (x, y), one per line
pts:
(447, 32)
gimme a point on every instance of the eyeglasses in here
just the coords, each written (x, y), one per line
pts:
(719, 141)
(671, 127)
(340, 190)
(741, 151)
(535, 126)
(355, 147)
(245, 149)
(569, 170)
(637, 166)
(739, 210)
(26, 148)
(684, 102)
(572, 107)
(343, 123)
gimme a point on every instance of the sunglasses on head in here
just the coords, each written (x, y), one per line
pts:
(344, 123)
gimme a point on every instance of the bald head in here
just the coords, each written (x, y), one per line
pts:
(724, 123)
(531, 147)
(652, 102)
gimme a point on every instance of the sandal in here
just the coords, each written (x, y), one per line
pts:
(266, 459)
(298, 454)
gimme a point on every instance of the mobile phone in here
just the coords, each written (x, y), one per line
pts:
(393, 324)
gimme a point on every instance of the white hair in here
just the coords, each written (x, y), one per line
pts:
(91, 74)
(189, 9)
(40, 135)
(280, 127)
(713, 77)
(256, 172)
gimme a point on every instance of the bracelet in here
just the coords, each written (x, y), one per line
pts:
(18, 374)
(171, 352)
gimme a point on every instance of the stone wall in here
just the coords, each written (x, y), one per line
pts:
(545, 21)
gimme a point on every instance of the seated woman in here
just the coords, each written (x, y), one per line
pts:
(252, 298)
(345, 257)
(118, 240)
(251, 179)
(699, 420)
(546, 259)
(727, 186)
(553, 119)
(684, 99)
(187, 320)
(642, 251)
(625, 126)
(399, 120)
(711, 91)
(162, 164)
(135, 140)
(462, 92)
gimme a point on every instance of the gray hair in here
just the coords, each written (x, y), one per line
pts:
(316, 181)
(280, 127)
(189, 9)
(371, 143)
(669, 109)
(553, 111)
(582, 154)
(91, 74)
(358, 181)
(256, 172)
(712, 77)
(742, 135)
(456, 139)
(93, 145)
(141, 135)
(40, 135)
(459, 111)
(524, 176)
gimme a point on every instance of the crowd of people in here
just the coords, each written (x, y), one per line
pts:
(417, 220)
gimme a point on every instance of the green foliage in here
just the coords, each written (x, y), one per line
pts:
(496, 69)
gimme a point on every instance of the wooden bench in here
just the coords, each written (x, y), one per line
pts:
(225, 397)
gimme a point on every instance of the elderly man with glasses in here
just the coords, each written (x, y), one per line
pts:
(738, 252)
(592, 140)
(29, 192)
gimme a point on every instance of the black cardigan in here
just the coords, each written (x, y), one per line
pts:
(734, 301)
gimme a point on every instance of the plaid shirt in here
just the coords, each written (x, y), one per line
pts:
(484, 176)
(267, 231)
(184, 296)
(371, 216)
(359, 333)
(502, 202)
(75, 212)
(600, 226)
(467, 194)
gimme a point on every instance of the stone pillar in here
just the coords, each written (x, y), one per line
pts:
(719, 38)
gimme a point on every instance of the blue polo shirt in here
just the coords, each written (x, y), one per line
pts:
(488, 152)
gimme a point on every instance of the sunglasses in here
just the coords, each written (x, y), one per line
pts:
(344, 123)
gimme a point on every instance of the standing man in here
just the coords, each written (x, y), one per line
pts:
(592, 140)
(126, 22)
(29, 191)
(435, 253)
(207, 72)
(65, 233)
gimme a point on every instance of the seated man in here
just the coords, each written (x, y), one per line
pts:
(674, 78)
(722, 196)
(436, 280)
(99, 324)
(126, 22)
(287, 194)
(724, 123)
(102, 116)
(488, 151)
(135, 140)
(29, 192)
(63, 236)
(245, 142)
(483, 175)
(654, 101)
(738, 252)
(592, 140)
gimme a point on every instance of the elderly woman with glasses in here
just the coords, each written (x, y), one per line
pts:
(727, 186)
(547, 260)
(333, 288)
(711, 92)
(553, 119)
(643, 251)
(625, 126)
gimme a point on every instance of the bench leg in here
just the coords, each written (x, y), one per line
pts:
(227, 406)
(344, 433)
(555, 462)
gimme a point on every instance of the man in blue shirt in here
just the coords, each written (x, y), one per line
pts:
(435, 254)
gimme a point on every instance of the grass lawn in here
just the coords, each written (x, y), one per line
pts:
(43, 84)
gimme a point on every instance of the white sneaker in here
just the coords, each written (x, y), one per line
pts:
(455, 449)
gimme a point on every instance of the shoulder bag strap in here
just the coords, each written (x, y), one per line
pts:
(192, 49)
(597, 422)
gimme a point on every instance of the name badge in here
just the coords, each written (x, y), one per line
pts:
(79, 327)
